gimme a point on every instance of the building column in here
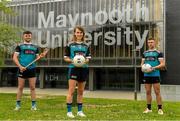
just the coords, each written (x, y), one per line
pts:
(41, 78)
(138, 79)
(0, 77)
(91, 79)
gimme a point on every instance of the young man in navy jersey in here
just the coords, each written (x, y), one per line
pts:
(152, 76)
(24, 54)
(77, 75)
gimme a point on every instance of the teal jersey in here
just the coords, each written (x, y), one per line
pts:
(75, 48)
(152, 57)
(27, 53)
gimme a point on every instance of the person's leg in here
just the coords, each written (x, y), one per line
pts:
(148, 88)
(81, 86)
(156, 87)
(83, 73)
(148, 98)
(32, 86)
(157, 92)
(72, 85)
(19, 92)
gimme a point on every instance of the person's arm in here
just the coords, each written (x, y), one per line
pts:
(67, 59)
(142, 61)
(161, 61)
(41, 55)
(88, 55)
(67, 55)
(16, 60)
(37, 54)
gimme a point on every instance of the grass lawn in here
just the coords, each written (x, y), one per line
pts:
(54, 108)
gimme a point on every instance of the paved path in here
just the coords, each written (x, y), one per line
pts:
(90, 94)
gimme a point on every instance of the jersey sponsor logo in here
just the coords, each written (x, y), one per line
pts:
(73, 76)
(150, 58)
(79, 53)
(29, 52)
(20, 75)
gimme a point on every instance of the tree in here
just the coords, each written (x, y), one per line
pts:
(8, 33)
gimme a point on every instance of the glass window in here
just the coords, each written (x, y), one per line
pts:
(114, 28)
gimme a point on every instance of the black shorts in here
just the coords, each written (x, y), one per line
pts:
(151, 80)
(29, 73)
(78, 74)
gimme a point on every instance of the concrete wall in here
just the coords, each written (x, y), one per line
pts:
(172, 76)
(168, 93)
(170, 88)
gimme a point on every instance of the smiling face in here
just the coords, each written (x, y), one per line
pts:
(27, 37)
(79, 34)
(151, 44)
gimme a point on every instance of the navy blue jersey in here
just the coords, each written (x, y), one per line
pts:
(76, 48)
(152, 57)
(27, 53)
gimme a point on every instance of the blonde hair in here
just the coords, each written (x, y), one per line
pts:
(82, 30)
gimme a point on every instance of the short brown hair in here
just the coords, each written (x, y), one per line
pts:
(27, 32)
(151, 38)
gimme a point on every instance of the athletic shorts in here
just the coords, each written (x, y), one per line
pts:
(78, 74)
(151, 80)
(29, 73)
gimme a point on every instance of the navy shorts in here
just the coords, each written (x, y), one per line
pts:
(29, 73)
(78, 74)
(151, 80)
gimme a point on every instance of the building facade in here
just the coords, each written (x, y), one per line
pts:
(116, 31)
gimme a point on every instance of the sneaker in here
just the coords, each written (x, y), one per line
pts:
(70, 115)
(33, 108)
(81, 114)
(160, 112)
(147, 111)
(17, 108)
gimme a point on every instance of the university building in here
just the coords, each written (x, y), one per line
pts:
(116, 31)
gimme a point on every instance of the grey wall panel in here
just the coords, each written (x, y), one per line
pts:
(172, 75)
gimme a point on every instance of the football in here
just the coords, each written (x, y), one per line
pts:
(145, 67)
(79, 60)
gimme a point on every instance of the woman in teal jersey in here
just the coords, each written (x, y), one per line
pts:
(77, 75)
